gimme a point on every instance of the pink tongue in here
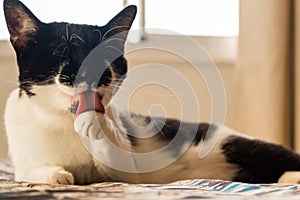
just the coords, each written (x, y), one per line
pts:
(89, 101)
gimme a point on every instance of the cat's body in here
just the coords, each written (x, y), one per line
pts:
(45, 147)
(62, 147)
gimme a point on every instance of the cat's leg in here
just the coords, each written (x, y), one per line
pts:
(49, 175)
(261, 162)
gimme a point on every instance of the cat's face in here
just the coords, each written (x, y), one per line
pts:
(50, 56)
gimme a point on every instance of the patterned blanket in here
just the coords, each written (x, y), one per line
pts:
(190, 189)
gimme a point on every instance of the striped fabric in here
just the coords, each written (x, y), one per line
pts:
(190, 189)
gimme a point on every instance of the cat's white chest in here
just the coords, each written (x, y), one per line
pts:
(38, 136)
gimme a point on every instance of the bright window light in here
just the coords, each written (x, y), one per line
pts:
(191, 17)
(194, 17)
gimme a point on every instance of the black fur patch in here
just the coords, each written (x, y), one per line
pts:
(258, 161)
(170, 130)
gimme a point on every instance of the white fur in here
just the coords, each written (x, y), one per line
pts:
(41, 136)
(87, 125)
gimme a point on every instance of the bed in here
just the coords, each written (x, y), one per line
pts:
(189, 189)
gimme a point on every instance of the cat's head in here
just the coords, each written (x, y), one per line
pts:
(50, 55)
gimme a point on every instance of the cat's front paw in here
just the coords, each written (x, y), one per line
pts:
(61, 177)
(292, 177)
(48, 175)
(87, 125)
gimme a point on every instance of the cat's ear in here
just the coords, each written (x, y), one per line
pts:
(124, 18)
(119, 26)
(22, 24)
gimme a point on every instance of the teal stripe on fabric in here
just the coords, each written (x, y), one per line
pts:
(248, 188)
(231, 187)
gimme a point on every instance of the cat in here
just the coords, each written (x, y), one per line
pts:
(63, 129)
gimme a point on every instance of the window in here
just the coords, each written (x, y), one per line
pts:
(194, 17)
(191, 17)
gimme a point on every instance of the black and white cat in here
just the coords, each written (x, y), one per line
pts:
(48, 144)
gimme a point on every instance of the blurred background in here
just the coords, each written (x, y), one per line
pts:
(252, 43)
